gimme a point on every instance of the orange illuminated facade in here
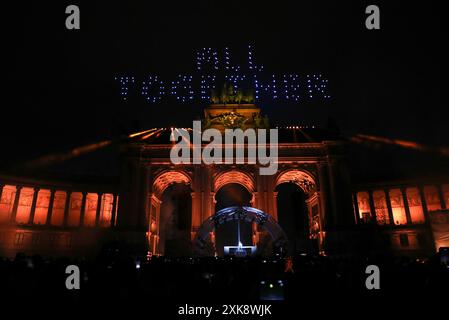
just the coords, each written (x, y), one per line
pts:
(51, 220)
(403, 214)
(56, 217)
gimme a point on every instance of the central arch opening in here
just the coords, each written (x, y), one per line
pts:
(229, 234)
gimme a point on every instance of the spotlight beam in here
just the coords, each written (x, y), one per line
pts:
(55, 158)
(62, 157)
(365, 139)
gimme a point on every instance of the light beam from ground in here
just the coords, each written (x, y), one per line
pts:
(363, 138)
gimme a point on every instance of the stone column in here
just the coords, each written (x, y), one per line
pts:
(67, 208)
(441, 196)
(406, 207)
(97, 215)
(207, 189)
(390, 210)
(158, 219)
(16, 204)
(50, 206)
(196, 216)
(83, 208)
(212, 212)
(424, 204)
(33, 206)
(372, 206)
(322, 232)
(356, 208)
(268, 194)
(196, 197)
(114, 209)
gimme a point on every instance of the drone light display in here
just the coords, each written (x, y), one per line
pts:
(211, 72)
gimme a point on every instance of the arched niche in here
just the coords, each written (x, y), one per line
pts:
(167, 178)
(302, 178)
(234, 176)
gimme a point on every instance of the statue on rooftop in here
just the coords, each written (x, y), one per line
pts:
(229, 94)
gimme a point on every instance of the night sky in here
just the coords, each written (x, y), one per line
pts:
(59, 89)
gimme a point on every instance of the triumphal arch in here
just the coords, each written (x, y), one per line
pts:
(311, 159)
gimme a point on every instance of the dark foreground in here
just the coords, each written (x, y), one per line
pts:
(212, 279)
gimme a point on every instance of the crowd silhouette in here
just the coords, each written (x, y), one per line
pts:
(115, 274)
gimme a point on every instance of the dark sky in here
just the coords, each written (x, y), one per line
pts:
(60, 91)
